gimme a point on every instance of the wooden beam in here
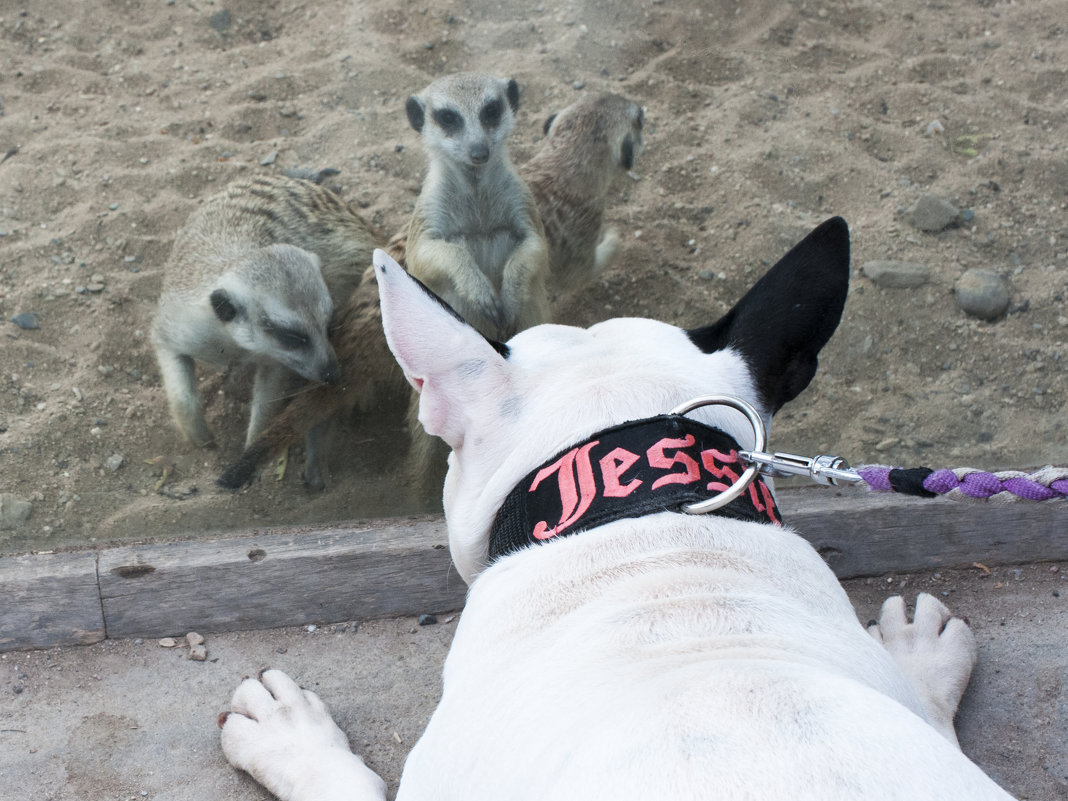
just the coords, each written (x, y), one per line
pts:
(861, 533)
(297, 576)
(49, 599)
(279, 579)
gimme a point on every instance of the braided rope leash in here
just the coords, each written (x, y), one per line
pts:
(1007, 486)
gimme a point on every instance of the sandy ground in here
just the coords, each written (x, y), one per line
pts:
(120, 117)
(126, 720)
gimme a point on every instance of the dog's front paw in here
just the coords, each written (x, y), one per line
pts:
(284, 737)
(935, 650)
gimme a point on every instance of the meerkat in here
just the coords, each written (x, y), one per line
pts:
(588, 145)
(605, 137)
(253, 277)
(475, 237)
(369, 374)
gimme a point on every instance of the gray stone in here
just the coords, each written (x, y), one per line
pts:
(933, 214)
(26, 321)
(897, 274)
(982, 293)
(14, 511)
(220, 21)
(114, 462)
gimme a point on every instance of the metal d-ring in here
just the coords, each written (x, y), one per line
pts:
(760, 434)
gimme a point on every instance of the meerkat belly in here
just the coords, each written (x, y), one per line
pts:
(490, 248)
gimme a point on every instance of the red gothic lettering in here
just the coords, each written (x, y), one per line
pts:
(717, 463)
(575, 496)
(657, 458)
(768, 505)
(613, 465)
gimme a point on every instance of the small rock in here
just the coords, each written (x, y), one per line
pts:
(95, 289)
(168, 642)
(198, 653)
(934, 127)
(897, 274)
(578, 85)
(269, 159)
(427, 620)
(982, 293)
(220, 21)
(27, 321)
(14, 511)
(933, 214)
(194, 639)
(178, 493)
(114, 462)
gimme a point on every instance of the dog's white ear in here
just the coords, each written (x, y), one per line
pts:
(454, 368)
(782, 323)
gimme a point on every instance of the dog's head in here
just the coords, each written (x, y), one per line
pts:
(506, 408)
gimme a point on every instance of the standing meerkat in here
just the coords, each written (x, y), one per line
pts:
(588, 145)
(253, 277)
(475, 238)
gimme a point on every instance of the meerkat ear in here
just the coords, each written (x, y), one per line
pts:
(513, 95)
(224, 306)
(626, 153)
(416, 113)
(548, 124)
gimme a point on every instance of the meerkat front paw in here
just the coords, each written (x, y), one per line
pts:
(936, 651)
(285, 738)
(605, 252)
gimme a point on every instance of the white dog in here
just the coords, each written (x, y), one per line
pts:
(613, 646)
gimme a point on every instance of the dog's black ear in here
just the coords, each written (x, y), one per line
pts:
(626, 153)
(223, 305)
(416, 115)
(782, 323)
(548, 124)
(513, 95)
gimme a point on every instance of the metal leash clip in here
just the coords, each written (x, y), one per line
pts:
(823, 469)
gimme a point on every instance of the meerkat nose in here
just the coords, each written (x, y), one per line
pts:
(331, 374)
(479, 152)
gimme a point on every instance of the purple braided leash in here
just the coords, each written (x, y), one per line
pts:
(1010, 485)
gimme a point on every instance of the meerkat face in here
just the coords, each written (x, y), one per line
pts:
(276, 307)
(465, 117)
(607, 119)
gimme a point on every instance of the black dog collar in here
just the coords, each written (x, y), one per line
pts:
(646, 466)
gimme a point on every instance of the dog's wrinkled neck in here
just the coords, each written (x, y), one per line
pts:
(638, 468)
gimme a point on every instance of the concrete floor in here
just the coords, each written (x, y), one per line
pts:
(129, 720)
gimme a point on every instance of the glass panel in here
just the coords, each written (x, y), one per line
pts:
(761, 119)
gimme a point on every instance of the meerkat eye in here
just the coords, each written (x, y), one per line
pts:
(490, 116)
(449, 120)
(288, 338)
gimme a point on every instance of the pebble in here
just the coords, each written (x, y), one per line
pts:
(897, 274)
(427, 620)
(578, 85)
(982, 293)
(13, 510)
(114, 462)
(194, 639)
(933, 214)
(269, 159)
(220, 21)
(27, 321)
(168, 642)
(198, 653)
